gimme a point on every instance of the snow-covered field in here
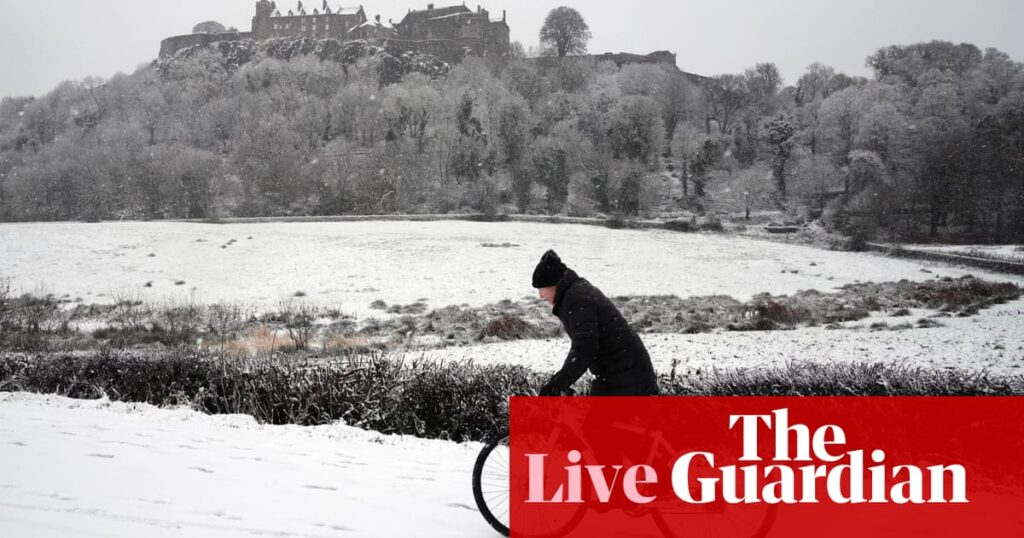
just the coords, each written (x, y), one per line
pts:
(72, 468)
(349, 265)
(1014, 253)
(96, 468)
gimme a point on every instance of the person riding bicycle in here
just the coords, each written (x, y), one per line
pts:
(602, 340)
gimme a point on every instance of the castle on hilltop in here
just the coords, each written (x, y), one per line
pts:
(475, 32)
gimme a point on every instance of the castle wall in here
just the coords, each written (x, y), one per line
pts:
(449, 51)
(171, 45)
(472, 30)
(496, 39)
(449, 32)
(313, 26)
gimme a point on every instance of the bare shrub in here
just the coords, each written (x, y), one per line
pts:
(767, 308)
(509, 327)
(29, 320)
(6, 309)
(38, 312)
(300, 321)
(178, 322)
(129, 312)
(225, 320)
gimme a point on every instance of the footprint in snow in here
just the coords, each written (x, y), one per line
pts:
(322, 488)
(225, 515)
(423, 478)
(201, 469)
(463, 506)
(17, 443)
(104, 456)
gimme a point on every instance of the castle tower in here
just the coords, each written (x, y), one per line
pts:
(261, 22)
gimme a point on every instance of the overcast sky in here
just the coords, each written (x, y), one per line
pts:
(43, 43)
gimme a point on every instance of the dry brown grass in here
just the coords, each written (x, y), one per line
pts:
(334, 341)
(254, 342)
(509, 327)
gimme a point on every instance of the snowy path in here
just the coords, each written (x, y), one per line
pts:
(95, 468)
(992, 340)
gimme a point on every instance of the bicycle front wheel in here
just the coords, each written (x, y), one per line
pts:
(491, 485)
(492, 492)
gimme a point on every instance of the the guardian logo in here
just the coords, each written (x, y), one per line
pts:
(806, 467)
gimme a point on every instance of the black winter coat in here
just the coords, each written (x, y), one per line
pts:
(602, 341)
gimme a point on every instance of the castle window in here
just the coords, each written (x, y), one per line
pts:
(327, 27)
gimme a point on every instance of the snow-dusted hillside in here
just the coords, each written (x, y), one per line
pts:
(351, 264)
(73, 468)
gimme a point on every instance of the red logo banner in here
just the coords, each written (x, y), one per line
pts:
(765, 467)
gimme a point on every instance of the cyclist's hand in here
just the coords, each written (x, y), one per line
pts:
(552, 390)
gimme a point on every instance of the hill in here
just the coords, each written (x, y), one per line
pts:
(931, 147)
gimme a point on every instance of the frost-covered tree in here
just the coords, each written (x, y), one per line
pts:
(780, 135)
(565, 32)
(209, 27)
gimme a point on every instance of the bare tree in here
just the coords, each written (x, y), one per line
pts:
(814, 84)
(725, 97)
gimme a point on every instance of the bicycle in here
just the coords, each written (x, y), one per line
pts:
(674, 519)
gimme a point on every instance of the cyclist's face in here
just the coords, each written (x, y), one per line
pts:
(548, 294)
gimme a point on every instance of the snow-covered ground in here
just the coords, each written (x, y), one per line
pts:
(349, 265)
(1004, 252)
(73, 468)
(96, 468)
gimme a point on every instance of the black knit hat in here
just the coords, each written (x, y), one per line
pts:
(549, 271)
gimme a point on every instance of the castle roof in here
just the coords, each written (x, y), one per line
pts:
(373, 24)
(450, 16)
(417, 16)
(347, 10)
(327, 9)
(339, 10)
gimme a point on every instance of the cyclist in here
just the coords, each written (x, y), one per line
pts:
(602, 340)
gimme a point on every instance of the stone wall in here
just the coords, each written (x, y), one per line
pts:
(171, 45)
